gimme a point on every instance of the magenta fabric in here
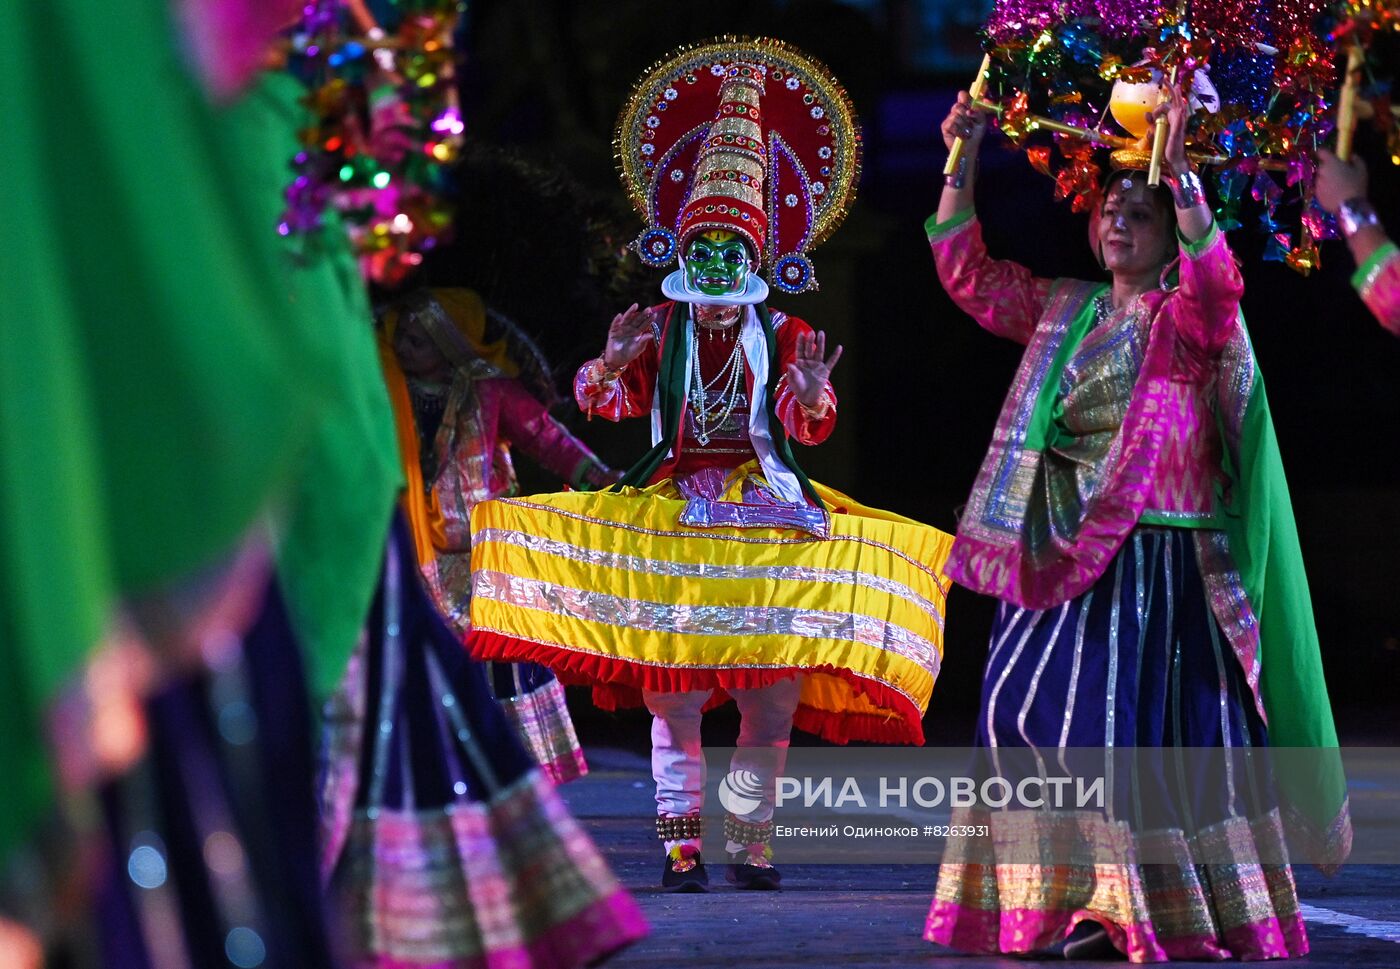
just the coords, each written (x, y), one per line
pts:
(1381, 292)
(228, 40)
(524, 422)
(1167, 457)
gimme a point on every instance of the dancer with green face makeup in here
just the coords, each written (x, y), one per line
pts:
(692, 583)
(717, 264)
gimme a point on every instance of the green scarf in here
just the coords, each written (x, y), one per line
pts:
(168, 366)
(670, 385)
(1263, 542)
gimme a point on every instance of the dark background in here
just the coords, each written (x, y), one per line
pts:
(920, 384)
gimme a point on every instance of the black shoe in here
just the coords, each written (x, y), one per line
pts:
(1089, 940)
(691, 880)
(755, 878)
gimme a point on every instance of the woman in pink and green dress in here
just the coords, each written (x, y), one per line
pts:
(1133, 519)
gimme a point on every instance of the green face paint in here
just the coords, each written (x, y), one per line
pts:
(717, 264)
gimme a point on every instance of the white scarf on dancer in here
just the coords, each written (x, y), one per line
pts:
(780, 478)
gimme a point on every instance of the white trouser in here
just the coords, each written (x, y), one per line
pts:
(678, 765)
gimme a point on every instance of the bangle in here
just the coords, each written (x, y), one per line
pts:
(1356, 214)
(598, 372)
(1187, 190)
(819, 411)
(958, 179)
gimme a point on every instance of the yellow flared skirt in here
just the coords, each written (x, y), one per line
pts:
(610, 589)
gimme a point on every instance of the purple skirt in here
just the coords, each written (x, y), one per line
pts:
(445, 845)
(1137, 661)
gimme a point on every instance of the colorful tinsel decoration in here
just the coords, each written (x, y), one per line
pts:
(1374, 27)
(385, 126)
(1272, 65)
(1364, 19)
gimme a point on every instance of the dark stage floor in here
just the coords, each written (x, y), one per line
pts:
(862, 917)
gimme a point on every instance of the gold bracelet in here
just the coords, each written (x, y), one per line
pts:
(821, 410)
(598, 372)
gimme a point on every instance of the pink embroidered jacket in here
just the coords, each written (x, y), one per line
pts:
(486, 414)
(1378, 282)
(1164, 461)
(474, 444)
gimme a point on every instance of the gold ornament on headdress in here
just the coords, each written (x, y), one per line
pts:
(751, 135)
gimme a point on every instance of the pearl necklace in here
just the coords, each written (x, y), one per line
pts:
(731, 376)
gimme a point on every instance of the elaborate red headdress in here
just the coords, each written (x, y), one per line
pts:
(746, 135)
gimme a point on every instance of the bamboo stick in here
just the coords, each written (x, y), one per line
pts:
(1346, 103)
(1159, 140)
(979, 84)
(1118, 141)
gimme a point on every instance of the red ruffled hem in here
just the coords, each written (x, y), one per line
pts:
(619, 683)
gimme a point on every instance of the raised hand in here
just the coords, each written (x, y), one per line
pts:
(811, 368)
(965, 122)
(1177, 112)
(1338, 181)
(628, 335)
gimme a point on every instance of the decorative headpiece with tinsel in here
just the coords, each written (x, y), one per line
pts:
(751, 136)
(385, 126)
(1061, 67)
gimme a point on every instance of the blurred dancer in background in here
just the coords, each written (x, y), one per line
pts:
(197, 477)
(429, 803)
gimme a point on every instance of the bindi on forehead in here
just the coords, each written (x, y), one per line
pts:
(1131, 194)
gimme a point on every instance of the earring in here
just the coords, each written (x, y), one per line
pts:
(1163, 280)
